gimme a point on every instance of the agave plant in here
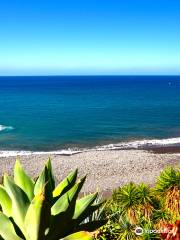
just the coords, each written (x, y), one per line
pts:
(97, 215)
(39, 210)
(168, 187)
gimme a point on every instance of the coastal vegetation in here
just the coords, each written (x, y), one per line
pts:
(143, 212)
(41, 210)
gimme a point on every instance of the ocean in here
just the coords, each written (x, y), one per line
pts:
(79, 112)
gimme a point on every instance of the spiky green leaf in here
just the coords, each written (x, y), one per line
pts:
(5, 202)
(6, 228)
(63, 202)
(66, 184)
(83, 204)
(43, 183)
(23, 180)
(168, 178)
(20, 201)
(79, 236)
(35, 220)
(63, 211)
(50, 174)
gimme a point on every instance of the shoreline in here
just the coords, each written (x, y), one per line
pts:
(106, 170)
(168, 145)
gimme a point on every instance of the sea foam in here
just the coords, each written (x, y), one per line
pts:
(65, 152)
(141, 144)
(5, 128)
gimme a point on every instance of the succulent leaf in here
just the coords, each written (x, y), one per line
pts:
(35, 215)
(63, 211)
(50, 174)
(7, 230)
(34, 219)
(43, 183)
(83, 204)
(5, 202)
(20, 201)
(63, 202)
(66, 184)
(79, 236)
(87, 212)
(23, 180)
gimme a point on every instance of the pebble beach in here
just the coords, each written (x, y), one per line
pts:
(106, 170)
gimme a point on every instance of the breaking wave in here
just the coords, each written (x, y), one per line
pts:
(5, 128)
(141, 144)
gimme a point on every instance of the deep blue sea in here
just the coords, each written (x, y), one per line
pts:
(52, 113)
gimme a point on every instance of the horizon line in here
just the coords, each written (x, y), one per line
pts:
(95, 75)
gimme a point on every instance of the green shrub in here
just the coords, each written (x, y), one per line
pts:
(135, 205)
(168, 189)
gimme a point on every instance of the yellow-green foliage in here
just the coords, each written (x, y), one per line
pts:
(168, 188)
(135, 205)
(39, 210)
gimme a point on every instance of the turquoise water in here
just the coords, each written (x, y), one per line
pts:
(50, 113)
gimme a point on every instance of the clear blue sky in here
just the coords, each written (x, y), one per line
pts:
(40, 37)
